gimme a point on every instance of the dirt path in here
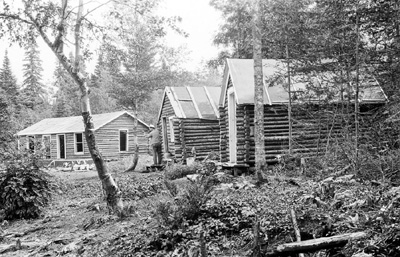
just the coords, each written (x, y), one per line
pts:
(76, 217)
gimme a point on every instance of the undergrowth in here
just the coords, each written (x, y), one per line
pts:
(24, 188)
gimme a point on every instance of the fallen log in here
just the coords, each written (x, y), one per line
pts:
(315, 244)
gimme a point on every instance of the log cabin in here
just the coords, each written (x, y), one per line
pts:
(189, 119)
(317, 118)
(63, 138)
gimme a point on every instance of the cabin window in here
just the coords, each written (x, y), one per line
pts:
(30, 143)
(171, 128)
(46, 141)
(123, 140)
(79, 143)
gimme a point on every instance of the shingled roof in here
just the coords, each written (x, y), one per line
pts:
(194, 102)
(241, 73)
(72, 124)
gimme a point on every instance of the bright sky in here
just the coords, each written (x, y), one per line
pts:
(199, 20)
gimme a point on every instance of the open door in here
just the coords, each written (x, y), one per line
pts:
(61, 146)
(232, 126)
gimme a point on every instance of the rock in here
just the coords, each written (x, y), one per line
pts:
(70, 248)
(224, 187)
(346, 179)
(193, 177)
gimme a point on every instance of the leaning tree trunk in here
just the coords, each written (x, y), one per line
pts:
(258, 93)
(135, 160)
(113, 194)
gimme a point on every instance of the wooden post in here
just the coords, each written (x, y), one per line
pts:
(256, 243)
(295, 227)
(182, 136)
(203, 248)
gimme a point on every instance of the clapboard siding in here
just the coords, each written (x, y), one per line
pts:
(107, 139)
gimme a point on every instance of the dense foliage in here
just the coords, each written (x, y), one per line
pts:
(24, 189)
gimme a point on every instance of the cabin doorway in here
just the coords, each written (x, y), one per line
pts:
(232, 125)
(165, 134)
(61, 146)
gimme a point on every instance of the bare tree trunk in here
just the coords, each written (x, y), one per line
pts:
(356, 103)
(135, 160)
(114, 199)
(259, 136)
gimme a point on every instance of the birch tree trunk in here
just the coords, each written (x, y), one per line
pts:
(259, 137)
(113, 194)
(135, 160)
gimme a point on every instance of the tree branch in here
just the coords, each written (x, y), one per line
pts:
(94, 9)
(15, 17)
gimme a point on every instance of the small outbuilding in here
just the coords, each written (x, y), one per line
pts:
(63, 138)
(311, 130)
(189, 121)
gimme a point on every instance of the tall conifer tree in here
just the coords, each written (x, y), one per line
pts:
(8, 82)
(32, 87)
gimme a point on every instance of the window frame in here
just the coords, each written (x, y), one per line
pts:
(44, 146)
(127, 140)
(76, 145)
(30, 139)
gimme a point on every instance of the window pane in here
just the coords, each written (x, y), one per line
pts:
(79, 147)
(181, 93)
(188, 109)
(123, 140)
(79, 138)
(79, 142)
(31, 144)
(203, 103)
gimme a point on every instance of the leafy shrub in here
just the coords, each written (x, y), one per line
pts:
(186, 204)
(24, 189)
(196, 194)
(134, 189)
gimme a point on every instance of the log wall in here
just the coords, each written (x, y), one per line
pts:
(313, 127)
(201, 134)
(224, 128)
(168, 111)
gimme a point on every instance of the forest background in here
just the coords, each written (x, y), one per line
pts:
(133, 63)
